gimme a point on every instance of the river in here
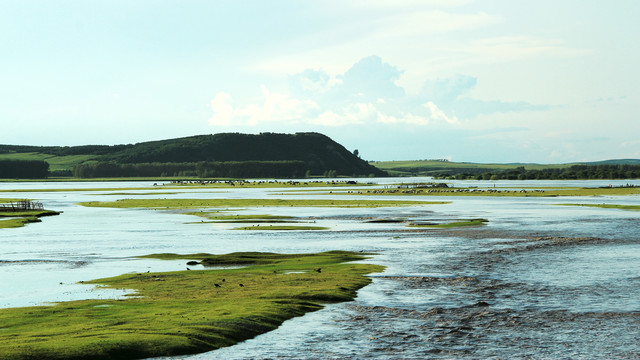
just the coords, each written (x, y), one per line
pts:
(538, 281)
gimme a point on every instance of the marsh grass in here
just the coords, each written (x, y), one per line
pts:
(21, 218)
(217, 216)
(242, 203)
(17, 222)
(184, 312)
(608, 206)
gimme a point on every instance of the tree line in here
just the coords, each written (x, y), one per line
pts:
(574, 172)
(209, 169)
(24, 169)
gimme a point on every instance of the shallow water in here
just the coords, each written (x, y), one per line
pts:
(539, 281)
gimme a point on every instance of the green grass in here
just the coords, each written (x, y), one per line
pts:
(280, 227)
(28, 213)
(184, 312)
(17, 222)
(608, 206)
(55, 162)
(215, 215)
(3, 201)
(242, 203)
(22, 218)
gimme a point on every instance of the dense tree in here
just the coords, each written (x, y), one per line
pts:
(219, 169)
(23, 169)
(575, 172)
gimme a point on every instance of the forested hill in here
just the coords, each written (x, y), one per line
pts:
(246, 155)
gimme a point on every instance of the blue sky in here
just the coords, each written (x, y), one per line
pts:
(479, 81)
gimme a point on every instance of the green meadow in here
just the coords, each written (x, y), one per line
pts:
(184, 312)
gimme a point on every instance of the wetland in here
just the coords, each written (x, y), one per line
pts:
(477, 276)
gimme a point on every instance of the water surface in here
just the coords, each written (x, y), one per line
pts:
(539, 281)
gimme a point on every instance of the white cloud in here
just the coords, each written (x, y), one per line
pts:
(275, 108)
(352, 114)
(439, 115)
(367, 93)
(328, 118)
(222, 109)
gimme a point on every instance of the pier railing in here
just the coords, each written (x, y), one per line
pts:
(22, 205)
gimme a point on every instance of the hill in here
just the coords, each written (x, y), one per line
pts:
(296, 155)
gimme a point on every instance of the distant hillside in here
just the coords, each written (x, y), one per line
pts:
(439, 168)
(613, 162)
(608, 169)
(295, 154)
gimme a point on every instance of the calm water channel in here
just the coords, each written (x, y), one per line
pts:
(538, 281)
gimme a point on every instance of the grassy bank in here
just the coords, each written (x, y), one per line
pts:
(17, 222)
(241, 203)
(608, 206)
(184, 312)
(19, 218)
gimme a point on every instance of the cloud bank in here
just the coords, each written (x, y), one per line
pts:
(367, 93)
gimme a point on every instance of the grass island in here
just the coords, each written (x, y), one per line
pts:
(185, 312)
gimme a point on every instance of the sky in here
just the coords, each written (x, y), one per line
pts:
(475, 81)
